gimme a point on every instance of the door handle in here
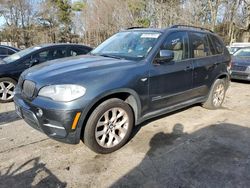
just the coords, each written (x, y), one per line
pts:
(188, 68)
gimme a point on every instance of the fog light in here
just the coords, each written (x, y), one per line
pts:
(39, 112)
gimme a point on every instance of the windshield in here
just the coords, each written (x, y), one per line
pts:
(20, 54)
(128, 45)
(232, 50)
(242, 53)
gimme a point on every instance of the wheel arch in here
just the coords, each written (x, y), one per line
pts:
(127, 95)
(225, 76)
(9, 77)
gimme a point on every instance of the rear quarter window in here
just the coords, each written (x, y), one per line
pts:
(217, 44)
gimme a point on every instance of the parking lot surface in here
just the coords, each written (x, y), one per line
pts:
(193, 147)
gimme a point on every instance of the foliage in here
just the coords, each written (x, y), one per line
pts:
(29, 22)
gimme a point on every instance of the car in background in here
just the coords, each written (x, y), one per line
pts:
(236, 46)
(12, 66)
(6, 51)
(240, 69)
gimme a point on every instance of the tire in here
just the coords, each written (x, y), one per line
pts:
(7, 86)
(216, 95)
(109, 126)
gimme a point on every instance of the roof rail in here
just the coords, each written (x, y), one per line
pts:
(136, 27)
(189, 26)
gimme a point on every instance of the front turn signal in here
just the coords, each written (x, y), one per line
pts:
(76, 119)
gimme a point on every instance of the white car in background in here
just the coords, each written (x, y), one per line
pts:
(236, 46)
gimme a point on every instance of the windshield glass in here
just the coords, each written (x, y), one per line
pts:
(20, 54)
(242, 53)
(128, 45)
(232, 50)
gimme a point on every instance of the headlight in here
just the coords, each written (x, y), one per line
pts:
(64, 93)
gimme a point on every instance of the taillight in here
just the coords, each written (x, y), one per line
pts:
(229, 66)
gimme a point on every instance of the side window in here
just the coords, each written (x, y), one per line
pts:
(211, 46)
(58, 53)
(42, 56)
(77, 51)
(10, 52)
(3, 51)
(217, 44)
(178, 43)
(199, 45)
(50, 54)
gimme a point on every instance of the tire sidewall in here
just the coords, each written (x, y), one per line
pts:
(89, 133)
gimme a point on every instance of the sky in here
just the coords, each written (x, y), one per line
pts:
(2, 21)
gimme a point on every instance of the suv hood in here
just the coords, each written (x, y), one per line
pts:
(68, 69)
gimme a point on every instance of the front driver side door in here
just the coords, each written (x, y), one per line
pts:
(170, 82)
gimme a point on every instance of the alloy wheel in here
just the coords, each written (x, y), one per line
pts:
(219, 94)
(112, 127)
(6, 90)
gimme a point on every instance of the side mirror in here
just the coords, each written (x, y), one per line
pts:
(34, 62)
(165, 56)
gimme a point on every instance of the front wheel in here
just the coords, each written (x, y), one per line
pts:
(109, 126)
(7, 86)
(216, 95)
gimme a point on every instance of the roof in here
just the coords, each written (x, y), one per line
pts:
(174, 27)
(59, 44)
(10, 47)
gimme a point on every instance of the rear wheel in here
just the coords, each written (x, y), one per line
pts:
(109, 126)
(7, 86)
(216, 95)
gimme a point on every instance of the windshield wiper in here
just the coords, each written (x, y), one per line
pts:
(108, 55)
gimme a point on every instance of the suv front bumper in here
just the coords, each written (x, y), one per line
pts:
(56, 123)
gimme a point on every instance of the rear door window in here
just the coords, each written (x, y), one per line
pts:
(77, 51)
(199, 45)
(58, 53)
(50, 54)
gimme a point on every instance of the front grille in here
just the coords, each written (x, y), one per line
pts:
(29, 88)
(238, 68)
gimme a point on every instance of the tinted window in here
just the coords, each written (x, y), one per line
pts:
(50, 54)
(59, 53)
(178, 43)
(212, 46)
(77, 51)
(3, 51)
(10, 52)
(199, 45)
(217, 44)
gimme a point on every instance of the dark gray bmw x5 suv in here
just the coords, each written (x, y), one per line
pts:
(134, 75)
